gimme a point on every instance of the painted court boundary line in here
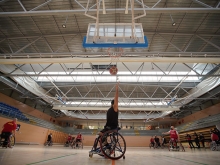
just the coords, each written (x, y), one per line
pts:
(51, 159)
(186, 160)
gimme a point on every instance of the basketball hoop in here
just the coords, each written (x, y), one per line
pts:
(115, 53)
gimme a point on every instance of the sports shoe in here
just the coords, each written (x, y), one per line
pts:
(94, 152)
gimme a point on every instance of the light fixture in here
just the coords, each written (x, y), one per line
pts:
(173, 23)
(64, 25)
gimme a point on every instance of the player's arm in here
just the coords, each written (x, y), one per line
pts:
(115, 106)
(13, 131)
(166, 133)
(178, 136)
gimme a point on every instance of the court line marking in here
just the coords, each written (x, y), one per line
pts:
(50, 159)
(186, 160)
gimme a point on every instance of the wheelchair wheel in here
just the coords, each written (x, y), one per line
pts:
(181, 148)
(113, 145)
(12, 140)
(213, 146)
(1, 141)
(45, 144)
(156, 145)
(90, 154)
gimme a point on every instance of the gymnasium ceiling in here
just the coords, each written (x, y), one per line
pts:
(176, 75)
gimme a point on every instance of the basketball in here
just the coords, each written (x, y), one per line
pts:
(113, 70)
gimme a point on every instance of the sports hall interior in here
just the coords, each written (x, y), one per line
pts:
(53, 82)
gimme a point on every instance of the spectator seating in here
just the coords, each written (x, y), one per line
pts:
(45, 124)
(124, 132)
(12, 112)
(201, 123)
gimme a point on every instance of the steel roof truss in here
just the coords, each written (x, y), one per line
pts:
(132, 91)
(22, 5)
(201, 3)
(146, 94)
(188, 44)
(208, 42)
(100, 91)
(192, 68)
(18, 67)
(41, 5)
(170, 42)
(89, 91)
(75, 68)
(159, 68)
(78, 91)
(26, 46)
(45, 68)
(156, 4)
(66, 43)
(127, 68)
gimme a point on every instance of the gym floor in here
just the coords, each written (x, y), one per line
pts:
(59, 155)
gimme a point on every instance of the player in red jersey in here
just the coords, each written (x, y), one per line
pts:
(174, 136)
(78, 138)
(8, 129)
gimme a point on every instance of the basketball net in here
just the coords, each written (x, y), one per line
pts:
(115, 53)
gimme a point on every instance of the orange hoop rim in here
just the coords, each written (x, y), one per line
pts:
(114, 54)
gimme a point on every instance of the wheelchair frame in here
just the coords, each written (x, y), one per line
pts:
(77, 144)
(112, 145)
(175, 145)
(49, 143)
(151, 145)
(214, 146)
(11, 139)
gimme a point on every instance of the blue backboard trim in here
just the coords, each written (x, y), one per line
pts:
(118, 45)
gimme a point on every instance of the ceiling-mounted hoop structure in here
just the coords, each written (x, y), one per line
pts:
(105, 35)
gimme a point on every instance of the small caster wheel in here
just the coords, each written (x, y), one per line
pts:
(123, 157)
(90, 154)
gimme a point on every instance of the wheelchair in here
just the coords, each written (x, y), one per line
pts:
(48, 143)
(173, 146)
(163, 145)
(215, 146)
(157, 145)
(78, 144)
(10, 141)
(67, 144)
(151, 145)
(112, 145)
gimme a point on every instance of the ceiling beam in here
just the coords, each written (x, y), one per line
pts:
(84, 32)
(105, 75)
(104, 60)
(108, 11)
(139, 54)
(121, 108)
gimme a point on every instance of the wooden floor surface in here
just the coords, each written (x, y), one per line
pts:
(59, 155)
